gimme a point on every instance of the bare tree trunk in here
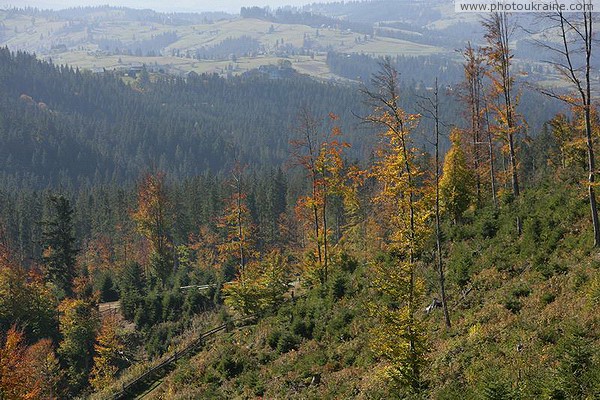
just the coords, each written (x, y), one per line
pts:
(580, 77)
(432, 110)
(491, 157)
(499, 55)
(587, 99)
(438, 228)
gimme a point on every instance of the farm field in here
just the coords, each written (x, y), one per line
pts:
(82, 42)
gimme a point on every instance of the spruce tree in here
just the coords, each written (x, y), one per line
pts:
(58, 242)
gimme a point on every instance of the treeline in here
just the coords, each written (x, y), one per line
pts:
(419, 69)
(243, 46)
(148, 47)
(292, 16)
(369, 12)
(100, 209)
(90, 13)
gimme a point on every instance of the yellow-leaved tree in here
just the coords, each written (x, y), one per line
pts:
(260, 286)
(109, 353)
(398, 334)
(457, 184)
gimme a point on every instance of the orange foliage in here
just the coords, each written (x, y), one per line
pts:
(27, 372)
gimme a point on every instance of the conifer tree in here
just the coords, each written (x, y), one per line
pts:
(78, 326)
(58, 243)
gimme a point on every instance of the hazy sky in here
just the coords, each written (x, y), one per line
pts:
(159, 5)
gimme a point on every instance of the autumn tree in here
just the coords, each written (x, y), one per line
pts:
(498, 32)
(25, 300)
(237, 223)
(205, 246)
(457, 183)
(27, 372)
(570, 143)
(153, 221)
(260, 287)
(305, 153)
(46, 368)
(108, 353)
(320, 154)
(78, 326)
(331, 170)
(399, 335)
(479, 130)
(58, 243)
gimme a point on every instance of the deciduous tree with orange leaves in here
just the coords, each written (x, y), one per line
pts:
(153, 220)
(27, 372)
(237, 223)
(321, 156)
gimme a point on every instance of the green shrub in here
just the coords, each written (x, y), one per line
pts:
(303, 328)
(532, 229)
(513, 304)
(579, 279)
(348, 263)
(287, 341)
(460, 264)
(107, 288)
(487, 224)
(521, 291)
(338, 286)
(548, 298)
(230, 366)
(497, 390)
(338, 325)
(578, 375)
(550, 269)
(273, 338)
(548, 335)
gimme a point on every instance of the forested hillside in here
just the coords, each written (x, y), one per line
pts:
(269, 235)
(70, 127)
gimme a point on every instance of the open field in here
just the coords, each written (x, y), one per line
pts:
(76, 42)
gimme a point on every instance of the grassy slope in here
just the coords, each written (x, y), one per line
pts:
(527, 319)
(21, 32)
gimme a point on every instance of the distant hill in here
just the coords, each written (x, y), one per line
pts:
(63, 126)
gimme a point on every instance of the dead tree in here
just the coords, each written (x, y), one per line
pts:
(575, 66)
(499, 57)
(431, 108)
(478, 115)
